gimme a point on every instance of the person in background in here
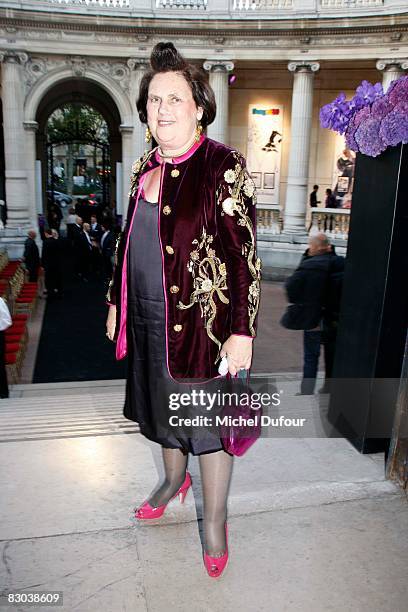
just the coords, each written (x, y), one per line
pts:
(3, 212)
(31, 256)
(55, 216)
(315, 289)
(71, 220)
(95, 228)
(5, 322)
(51, 261)
(107, 246)
(96, 234)
(313, 197)
(88, 247)
(313, 201)
(330, 201)
(82, 249)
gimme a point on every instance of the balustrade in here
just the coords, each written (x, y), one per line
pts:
(334, 222)
(268, 219)
(272, 9)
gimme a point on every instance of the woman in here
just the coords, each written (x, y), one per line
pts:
(5, 322)
(185, 288)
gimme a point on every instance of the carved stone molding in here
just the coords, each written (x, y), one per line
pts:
(126, 129)
(39, 66)
(137, 63)
(14, 57)
(78, 65)
(30, 126)
(390, 64)
(218, 65)
(118, 71)
(304, 66)
(36, 67)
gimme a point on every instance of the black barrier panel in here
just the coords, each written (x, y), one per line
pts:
(374, 308)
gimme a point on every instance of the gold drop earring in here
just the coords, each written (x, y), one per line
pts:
(148, 135)
(198, 131)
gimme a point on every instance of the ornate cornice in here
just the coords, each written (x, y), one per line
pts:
(147, 27)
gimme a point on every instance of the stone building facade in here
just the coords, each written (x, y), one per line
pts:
(295, 54)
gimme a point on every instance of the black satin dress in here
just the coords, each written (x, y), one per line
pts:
(148, 384)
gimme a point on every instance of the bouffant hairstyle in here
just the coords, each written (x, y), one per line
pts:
(166, 58)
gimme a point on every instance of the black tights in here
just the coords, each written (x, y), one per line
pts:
(215, 469)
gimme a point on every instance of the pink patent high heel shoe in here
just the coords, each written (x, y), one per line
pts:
(146, 511)
(216, 565)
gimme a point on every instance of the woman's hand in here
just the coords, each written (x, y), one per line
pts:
(238, 350)
(111, 322)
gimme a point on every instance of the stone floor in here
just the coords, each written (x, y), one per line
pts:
(313, 524)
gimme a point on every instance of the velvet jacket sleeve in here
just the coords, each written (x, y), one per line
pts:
(236, 224)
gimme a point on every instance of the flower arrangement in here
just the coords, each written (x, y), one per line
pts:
(372, 120)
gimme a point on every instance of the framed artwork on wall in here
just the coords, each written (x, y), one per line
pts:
(257, 178)
(269, 180)
(264, 151)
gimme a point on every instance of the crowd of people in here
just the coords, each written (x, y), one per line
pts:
(89, 245)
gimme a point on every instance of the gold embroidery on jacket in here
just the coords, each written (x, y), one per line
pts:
(240, 187)
(209, 278)
(137, 168)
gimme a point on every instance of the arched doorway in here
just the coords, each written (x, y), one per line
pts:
(80, 92)
(78, 160)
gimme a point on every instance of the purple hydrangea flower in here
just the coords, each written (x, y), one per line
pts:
(381, 107)
(336, 114)
(371, 120)
(359, 116)
(398, 91)
(394, 127)
(368, 138)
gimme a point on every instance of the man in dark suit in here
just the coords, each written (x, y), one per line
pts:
(315, 290)
(95, 233)
(107, 249)
(96, 229)
(82, 250)
(31, 256)
(313, 197)
(51, 261)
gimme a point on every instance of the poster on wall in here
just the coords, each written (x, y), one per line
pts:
(265, 134)
(343, 173)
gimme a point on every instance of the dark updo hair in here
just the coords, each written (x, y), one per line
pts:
(166, 58)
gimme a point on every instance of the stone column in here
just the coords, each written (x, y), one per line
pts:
(392, 69)
(17, 193)
(301, 125)
(31, 128)
(137, 69)
(128, 158)
(219, 70)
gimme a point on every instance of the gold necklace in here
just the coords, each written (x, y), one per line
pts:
(162, 155)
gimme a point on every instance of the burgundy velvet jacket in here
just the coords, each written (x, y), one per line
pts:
(211, 274)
